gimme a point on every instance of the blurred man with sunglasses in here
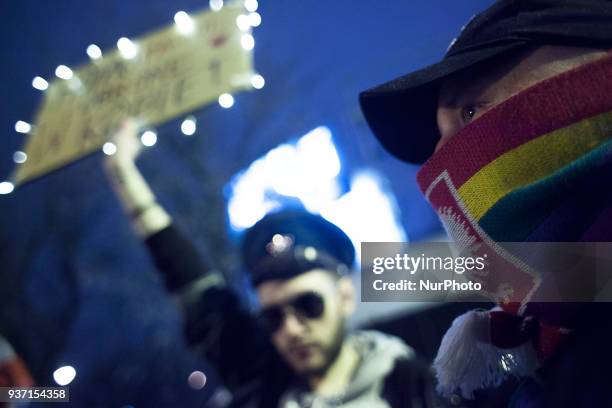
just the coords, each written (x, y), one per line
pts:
(299, 264)
(296, 351)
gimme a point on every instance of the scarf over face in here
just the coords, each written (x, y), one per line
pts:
(535, 168)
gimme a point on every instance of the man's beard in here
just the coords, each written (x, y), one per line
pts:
(330, 353)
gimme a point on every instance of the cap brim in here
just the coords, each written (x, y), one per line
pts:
(402, 112)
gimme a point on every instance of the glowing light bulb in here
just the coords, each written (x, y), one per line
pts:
(216, 5)
(243, 23)
(63, 72)
(188, 127)
(247, 41)
(254, 19)
(197, 380)
(20, 157)
(251, 5)
(184, 23)
(258, 81)
(40, 83)
(64, 375)
(6, 187)
(94, 52)
(127, 48)
(148, 138)
(22, 127)
(226, 100)
(109, 148)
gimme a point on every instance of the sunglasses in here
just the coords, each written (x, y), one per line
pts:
(309, 305)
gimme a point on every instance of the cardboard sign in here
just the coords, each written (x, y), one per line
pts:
(171, 74)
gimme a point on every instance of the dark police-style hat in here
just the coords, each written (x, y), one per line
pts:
(402, 112)
(290, 242)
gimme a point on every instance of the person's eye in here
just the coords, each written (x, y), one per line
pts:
(473, 111)
(468, 112)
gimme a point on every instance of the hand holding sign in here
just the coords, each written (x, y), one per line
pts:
(128, 145)
(128, 183)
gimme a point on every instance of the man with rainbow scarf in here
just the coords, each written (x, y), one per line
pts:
(513, 129)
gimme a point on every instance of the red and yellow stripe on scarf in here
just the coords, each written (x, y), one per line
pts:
(537, 167)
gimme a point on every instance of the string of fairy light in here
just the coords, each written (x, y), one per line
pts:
(129, 49)
(64, 375)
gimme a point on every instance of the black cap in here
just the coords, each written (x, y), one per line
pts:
(402, 112)
(290, 242)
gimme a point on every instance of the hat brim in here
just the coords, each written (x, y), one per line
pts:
(402, 112)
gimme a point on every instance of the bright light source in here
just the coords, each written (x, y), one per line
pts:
(258, 81)
(64, 375)
(284, 167)
(281, 243)
(184, 23)
(127, 48)
(216, 5)
(310, 253)
(247, 41)
(307, 170)
(75, 83)
(197, 380)
(317, 146)
(22, 127)
(6, 187)
(367, 196)
(40, 83)
(94, 52)
(148, 138)
(20, 157)
(109, 148)
(63, 72)
(226, 100)
(254, 19)
(188, 127)
(248, 203)
(243, 23)
(251, 5)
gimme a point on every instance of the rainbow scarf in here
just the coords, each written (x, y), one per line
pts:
(536, 168)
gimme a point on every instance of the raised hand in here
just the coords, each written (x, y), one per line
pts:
(148, 217)
(127, 142)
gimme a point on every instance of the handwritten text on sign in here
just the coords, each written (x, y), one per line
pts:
(171, 74)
